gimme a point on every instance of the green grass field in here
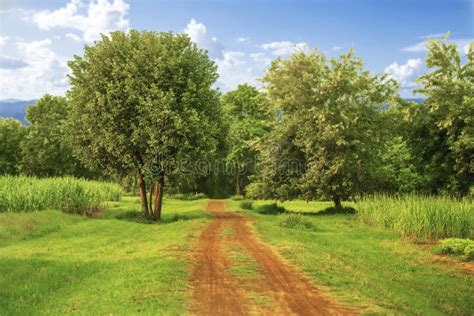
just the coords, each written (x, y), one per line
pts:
(54, 263)
(116, 263)
(371, 267)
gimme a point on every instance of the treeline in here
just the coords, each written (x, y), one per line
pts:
(41, 149)
(142, 108)
(351, 134)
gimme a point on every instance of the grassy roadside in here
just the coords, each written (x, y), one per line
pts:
(54, 263)
(367, 266)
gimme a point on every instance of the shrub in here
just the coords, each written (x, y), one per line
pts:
(456, 246)
(246, 205)
(271, 209)
(70, 195)
(237, 197)
(426, 217)
(294, 220)
(469, 252)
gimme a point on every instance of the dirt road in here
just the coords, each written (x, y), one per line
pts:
(236, 274)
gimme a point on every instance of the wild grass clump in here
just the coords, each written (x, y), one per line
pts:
(457, 246)
(189, 196)
(70, 195)
(294, 220)
(270, 209)
(425, 217)
(246, 205)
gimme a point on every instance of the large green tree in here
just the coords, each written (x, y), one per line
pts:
(12, 133)
(142, 103)
(336, 106)
(441, 130)
(247, 117)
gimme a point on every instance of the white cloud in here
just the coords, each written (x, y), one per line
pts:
(198, 34)
(467, 46)
(284, 48)
(435, 35)
(74, 37)
(42, 71)
(98, 17)
(336, 48)
(3, 40)
(406, 73)
(243, 39)
(257, 56)
(416, 48)
(237, 68)
(462, 43)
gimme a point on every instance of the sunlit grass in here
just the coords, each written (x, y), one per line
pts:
(425, 217)
(371, 267)
(54, 263)
(71, 195)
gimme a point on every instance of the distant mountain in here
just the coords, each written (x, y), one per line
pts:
(15, 109)
(416, 100)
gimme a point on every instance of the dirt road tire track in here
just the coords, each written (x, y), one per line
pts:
(217, 292)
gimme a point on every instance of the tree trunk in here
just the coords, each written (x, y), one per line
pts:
(150, 199)
(337, 202)
(143, 200)
(237, 185)
(159, 195)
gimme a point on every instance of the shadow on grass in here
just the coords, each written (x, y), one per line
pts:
(270, 209)
(346, 210)
(138, 217)
(275, 209)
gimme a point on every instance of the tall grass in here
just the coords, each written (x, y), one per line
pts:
(70, 195)
(425, 217)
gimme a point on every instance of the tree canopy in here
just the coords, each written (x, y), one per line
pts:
(247, 123)
(443, 127)
(11, 135)
(143, 102)
(336, 106)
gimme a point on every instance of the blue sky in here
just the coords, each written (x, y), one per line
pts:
(38, 37)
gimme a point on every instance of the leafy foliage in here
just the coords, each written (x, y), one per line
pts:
(457, 246)
(245, 111)
(335, 109)
(441, 130)
(45, 150)
(246, 204)
(143, 102)
(11, 134)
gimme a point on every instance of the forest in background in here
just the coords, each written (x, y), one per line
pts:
(318, 129)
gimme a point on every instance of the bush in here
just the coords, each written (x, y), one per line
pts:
(294, 220)
(189, 197)
(271, 209)
(426, 217)
(70, 195)
(237, 197)
(246, 205)
(469, 252)
(457, 246)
